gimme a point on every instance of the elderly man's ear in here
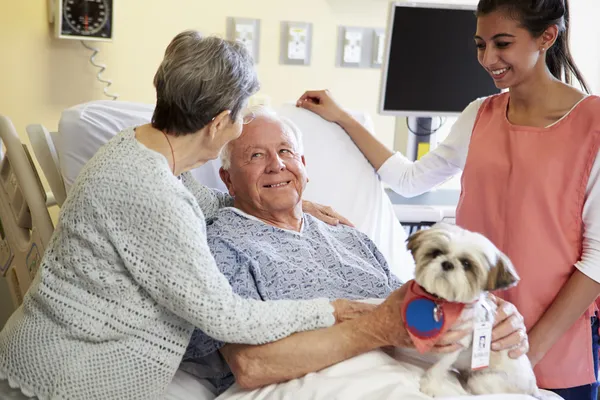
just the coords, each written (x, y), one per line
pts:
(304, 163)
(226, 178)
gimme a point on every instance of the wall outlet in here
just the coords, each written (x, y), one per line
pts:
(360, 47)
(247, 32)
(353, 42)
(296, 43)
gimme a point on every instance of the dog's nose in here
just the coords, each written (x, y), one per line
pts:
(447, 266)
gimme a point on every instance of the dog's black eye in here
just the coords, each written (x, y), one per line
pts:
(435, 253)
(466, 264)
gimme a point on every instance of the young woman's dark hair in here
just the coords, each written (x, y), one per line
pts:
(536, 16)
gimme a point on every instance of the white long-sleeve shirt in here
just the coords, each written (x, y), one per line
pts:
(410, 179)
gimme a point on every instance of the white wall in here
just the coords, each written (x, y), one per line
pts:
(42, 75)
(585, 39)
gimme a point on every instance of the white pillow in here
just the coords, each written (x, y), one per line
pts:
(84, 128)
(339, 174)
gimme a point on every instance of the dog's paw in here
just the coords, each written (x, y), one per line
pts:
(486, 383)
(490, 382)
(441, 386)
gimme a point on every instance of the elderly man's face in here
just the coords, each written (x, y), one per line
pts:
(266, 172)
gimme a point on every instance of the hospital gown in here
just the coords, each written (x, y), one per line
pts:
(264, 262)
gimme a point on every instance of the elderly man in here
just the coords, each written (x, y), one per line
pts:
(269, 249)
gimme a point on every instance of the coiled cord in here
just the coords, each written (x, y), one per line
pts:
(101, 68)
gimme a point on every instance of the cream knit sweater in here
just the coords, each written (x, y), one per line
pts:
(125, 278)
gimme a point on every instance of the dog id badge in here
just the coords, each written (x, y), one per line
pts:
(482, 340)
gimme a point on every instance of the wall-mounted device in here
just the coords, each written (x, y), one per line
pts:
(247, 32)
(296, 42)
(82, 19)
(352, 46)
(378, 53)
(430, 77)
(360, 47)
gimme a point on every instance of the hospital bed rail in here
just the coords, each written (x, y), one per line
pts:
(25, 223)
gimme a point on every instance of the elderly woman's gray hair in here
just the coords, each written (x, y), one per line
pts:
(199, 78)
(262, 112)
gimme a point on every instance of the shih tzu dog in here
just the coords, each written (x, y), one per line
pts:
(455, 268)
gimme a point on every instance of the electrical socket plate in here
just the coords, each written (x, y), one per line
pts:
(296, 43)
(360, 47)
(246, 31)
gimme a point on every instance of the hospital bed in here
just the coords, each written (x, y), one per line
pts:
(339, 175)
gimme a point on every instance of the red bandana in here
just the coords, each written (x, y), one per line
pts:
(426, 316)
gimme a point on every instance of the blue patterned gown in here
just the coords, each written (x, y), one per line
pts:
(269, 263)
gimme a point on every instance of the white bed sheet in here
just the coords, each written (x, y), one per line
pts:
(376, 375)
(183, 387)
(187, 387)
(373, 376)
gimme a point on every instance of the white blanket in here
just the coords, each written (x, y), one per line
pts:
(375, 376)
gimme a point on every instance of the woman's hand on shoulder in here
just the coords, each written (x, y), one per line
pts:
(324, 213)
(322, 103)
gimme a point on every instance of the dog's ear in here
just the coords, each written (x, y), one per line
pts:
(502, 275)
(414, 241)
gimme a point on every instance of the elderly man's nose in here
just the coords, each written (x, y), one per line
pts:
(276, 164)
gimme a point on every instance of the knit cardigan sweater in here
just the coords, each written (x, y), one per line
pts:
(125, 279)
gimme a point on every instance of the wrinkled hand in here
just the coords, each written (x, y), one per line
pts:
(321, 103)
(388, 325)
(509, 332)
(346, 310)
(324, 213)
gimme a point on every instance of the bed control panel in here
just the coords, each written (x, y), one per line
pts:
(6, 255)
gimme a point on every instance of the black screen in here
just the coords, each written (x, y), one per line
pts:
(433, 63)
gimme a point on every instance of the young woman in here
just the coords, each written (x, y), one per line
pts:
(530, 180)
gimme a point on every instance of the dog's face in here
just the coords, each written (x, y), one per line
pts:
(458, 265)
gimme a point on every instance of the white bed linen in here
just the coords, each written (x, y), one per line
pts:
(375, 376)
(183, 387)
(187, 387)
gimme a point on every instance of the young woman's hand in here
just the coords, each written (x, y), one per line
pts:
(509, 332)
(322, 103)
(324, 213)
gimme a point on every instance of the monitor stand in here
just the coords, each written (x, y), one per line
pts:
(419, 137)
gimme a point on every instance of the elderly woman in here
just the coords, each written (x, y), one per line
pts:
(128, 274)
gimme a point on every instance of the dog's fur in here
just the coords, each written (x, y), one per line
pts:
(476, 267)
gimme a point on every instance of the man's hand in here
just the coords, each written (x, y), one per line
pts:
(321, 103)
(387, 325)
(509, 331)
(324, 213)
(386, 322)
